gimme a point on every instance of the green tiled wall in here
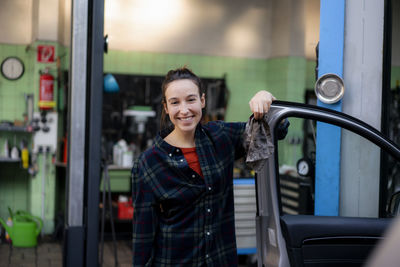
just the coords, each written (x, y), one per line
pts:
(290, 76)
(395, 77)
(310, 76)
(14, 189)
(35, 197)
(12, 102)
(18, 189)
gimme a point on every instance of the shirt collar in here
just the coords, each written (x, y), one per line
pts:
(161, 144)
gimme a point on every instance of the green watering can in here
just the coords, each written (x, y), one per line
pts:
(24, 230)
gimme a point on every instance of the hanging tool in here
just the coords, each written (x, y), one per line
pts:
(44, 173)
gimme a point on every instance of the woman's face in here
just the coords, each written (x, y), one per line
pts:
(183, 105)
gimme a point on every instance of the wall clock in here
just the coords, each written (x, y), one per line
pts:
(12, 68)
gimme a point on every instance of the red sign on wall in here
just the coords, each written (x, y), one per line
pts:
(45, 53)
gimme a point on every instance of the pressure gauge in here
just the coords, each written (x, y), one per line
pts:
(304, 167)
(12, 68)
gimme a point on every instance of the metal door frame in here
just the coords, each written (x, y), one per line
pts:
(84, 130)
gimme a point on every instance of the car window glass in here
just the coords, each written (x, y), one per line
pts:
(362, 184)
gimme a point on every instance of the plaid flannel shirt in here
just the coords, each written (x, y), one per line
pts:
(181, 219)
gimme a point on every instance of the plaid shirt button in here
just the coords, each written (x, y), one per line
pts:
(181, 160)
(193, 175)
(170, 154)
(208, 210)
(209, 188)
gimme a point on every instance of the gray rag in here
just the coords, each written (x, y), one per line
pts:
(257, 142)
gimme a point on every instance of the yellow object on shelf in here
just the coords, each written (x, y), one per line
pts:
(25, 158)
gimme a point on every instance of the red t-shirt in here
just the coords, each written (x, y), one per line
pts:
(193, 159)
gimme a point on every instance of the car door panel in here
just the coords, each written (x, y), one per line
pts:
(329, 240)
(307, 240)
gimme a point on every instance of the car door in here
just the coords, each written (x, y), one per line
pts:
(287, 232)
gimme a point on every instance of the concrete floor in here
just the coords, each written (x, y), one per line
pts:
(49, 254)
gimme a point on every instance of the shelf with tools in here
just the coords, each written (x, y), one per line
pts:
(12, 128)
(10, 160)
(11, 151)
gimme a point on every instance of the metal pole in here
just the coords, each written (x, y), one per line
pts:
(95, 106)
(74, 236)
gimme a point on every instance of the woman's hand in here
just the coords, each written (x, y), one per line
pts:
(260, 103)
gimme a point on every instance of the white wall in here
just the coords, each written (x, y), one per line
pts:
(24, 21)
(295, 28)
(15, 21)
(48, 20)
(252, 29)
(224, 28)
(64, 22)
(311, 16)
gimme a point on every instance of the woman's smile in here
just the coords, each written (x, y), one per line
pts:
(186, 118)
(183, 105)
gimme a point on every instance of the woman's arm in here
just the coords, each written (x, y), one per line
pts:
(144, 220)
(260, 104)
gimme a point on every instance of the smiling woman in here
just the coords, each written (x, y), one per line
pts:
(183, 185)
(183, 105)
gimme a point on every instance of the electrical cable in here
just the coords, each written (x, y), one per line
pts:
(44, 173)
(106, 182)
(103, 212)
(107, 177)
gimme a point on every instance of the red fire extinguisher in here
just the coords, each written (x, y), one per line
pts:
(46, 91)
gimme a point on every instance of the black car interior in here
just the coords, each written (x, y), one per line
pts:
(331, 241)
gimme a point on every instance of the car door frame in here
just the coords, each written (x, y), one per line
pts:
(271, 244)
